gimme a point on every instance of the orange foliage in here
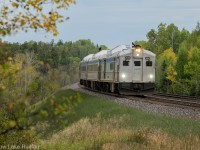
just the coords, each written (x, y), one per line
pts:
(10, 105)
(51, 101)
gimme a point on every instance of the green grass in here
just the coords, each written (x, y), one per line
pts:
(92, 106)
(101, 124)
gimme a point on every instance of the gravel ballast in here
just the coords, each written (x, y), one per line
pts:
(145, 106)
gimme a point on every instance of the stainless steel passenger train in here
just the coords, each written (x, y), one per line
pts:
(122, 69)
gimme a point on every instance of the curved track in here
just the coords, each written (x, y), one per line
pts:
(161, 98)
(187, 101)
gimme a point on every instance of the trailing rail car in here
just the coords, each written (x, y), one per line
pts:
(122, 69)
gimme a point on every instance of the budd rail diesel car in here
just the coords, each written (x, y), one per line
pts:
(122, 69)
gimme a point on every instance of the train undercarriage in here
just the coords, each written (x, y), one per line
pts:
(121, 88)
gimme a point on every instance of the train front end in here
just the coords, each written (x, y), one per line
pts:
(137, 70)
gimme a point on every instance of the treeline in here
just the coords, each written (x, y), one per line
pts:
(29, 73)
(178, 58)
(61, 58)
(35, 69)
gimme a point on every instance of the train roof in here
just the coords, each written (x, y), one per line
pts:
(115, 52)
(88, 57)
(101, 54)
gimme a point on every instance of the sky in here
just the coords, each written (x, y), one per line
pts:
(115, 22)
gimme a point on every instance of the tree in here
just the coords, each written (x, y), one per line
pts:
(174, 36)
(81, 48)
(152, 35)
(32, 14)
(162, 39)
(197, 29)
(165, 37)
(194, 37)
(20, 77)
(166, 74)
(103, 47)
(193, 69)
(182, 60)
(184, 34)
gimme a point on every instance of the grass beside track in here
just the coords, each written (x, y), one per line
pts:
(103, 124)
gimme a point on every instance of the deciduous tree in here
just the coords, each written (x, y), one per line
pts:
(32, 14)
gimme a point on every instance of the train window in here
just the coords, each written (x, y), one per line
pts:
(89, 67)
(125, 63)
(137, 63)
(149, 63)
(111, 66)
(95, 67)
(92, 67)
(83, 68)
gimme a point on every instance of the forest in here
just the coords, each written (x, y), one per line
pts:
(178, 58)
(31, 71)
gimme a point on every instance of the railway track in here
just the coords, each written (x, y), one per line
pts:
(187, 101)
(158, 98)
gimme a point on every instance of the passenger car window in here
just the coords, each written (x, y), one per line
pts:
(83, 68)
(137, 63)
(125, 63)
(111, 66)
(149, 63)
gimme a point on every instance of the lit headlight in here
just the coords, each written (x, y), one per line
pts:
(137, 54)
(137, 49)
(151, 76)
(123, 76)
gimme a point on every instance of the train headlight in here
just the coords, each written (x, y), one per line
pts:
(123, 76)
(138, 50)
(137, 54)
(151, 76)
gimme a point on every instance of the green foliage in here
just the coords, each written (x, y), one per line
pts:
(18, 138)
(30, 73)
(177, 67)
(182, 60)
(193, 68)
(103, 47)
(53, 108)
(165, 71)
(165, 37)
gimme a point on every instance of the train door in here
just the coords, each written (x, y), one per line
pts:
(137, 70)
(86, 73)
(116, 69)
(117, 72)
(99, 71)
(104, 72)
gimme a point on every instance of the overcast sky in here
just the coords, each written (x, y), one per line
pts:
(115, 22)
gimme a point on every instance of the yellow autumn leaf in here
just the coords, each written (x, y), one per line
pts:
(43, 16)
(22, 23)
(5, 8)
(15, 4)
(27, 10)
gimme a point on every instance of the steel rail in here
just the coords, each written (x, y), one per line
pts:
(175, 100)
(186, 101)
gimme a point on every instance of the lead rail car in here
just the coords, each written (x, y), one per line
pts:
(123, 68)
